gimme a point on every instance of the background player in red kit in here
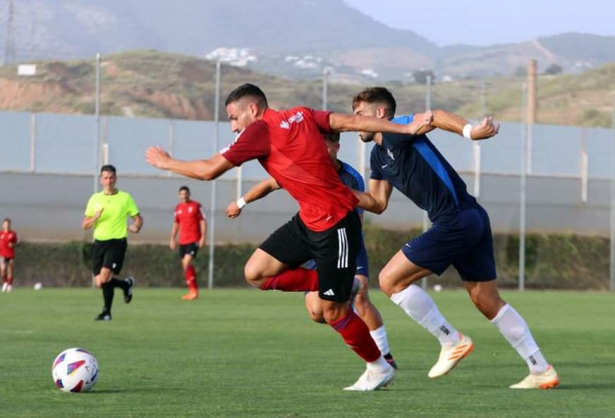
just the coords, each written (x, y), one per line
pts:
(8, 240)
(289, 145)
(192, 227)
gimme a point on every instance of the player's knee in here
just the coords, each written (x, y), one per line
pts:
(253, 274)
(385, 282)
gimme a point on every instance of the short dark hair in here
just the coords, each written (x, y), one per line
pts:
(247, 90)
(109, 168)
(6, 220)
(332, 137)
(181, 189)
(376, 95)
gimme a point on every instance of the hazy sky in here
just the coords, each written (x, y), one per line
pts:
(487, 22)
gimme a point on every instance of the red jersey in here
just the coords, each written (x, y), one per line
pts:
(189, 216)
(290, 147)
(8, 239)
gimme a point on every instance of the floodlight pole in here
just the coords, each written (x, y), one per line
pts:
(428, 82)
(325, 87)
(523, 187)
(612, 249)
(212, 217)
(96, 137)
(97, 123)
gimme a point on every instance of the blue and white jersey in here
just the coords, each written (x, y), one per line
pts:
(414, 166)
(351, 178)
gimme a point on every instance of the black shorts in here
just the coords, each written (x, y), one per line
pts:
(109, 254)
(191, 249)
(6, 259)
(334, 250)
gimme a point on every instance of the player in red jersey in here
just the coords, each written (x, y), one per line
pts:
(8, 241)
(289, 145)
(192, 227)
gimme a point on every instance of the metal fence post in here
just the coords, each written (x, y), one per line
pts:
(32, 142)
(171, 141)
(584, 168)
(476, 144)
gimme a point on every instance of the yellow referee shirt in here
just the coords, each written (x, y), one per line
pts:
(113, 223)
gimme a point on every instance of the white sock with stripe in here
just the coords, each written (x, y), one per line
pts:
(419, 306)
(514, 328)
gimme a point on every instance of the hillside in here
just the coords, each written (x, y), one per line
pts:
(297, 39)
(152, 84)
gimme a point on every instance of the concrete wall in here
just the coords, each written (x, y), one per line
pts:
(50, 206)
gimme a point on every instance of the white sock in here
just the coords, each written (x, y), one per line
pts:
(380, 338)
(421, 307)
(514, 328)
(379, 365)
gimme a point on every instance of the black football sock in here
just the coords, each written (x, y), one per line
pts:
(120, 283)
(108, 293)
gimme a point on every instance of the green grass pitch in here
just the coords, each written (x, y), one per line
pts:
(245, 353)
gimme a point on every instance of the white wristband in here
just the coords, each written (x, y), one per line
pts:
(467, 131)
(241, 203)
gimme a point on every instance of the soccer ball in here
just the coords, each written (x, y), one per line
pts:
(437, 287)
(75, 370)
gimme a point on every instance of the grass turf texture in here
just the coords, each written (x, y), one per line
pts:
(245, 353)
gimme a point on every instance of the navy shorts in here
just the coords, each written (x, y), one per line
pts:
(362, 262)
(465, 242)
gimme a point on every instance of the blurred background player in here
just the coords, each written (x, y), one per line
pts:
(108, 212)
(361, 302)
(460, 236)
(8, 241)
(192, 227)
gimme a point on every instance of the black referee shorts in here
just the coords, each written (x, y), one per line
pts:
(109, 254)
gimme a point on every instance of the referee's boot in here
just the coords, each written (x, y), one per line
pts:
(103, 316)
(128, 289)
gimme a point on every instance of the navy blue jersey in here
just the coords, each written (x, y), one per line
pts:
(351, 178)
(414, 166)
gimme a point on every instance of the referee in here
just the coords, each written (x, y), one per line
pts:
(107, 213)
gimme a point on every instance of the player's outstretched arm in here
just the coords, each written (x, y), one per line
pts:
(454, 123)
(377, 199)
(358, 123)
(209, 169)
(257, 192)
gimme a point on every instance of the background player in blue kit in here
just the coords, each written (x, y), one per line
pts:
(460, 235)
(361, 302)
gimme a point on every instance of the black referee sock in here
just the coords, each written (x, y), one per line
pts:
(123, 284)
(108, 293)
